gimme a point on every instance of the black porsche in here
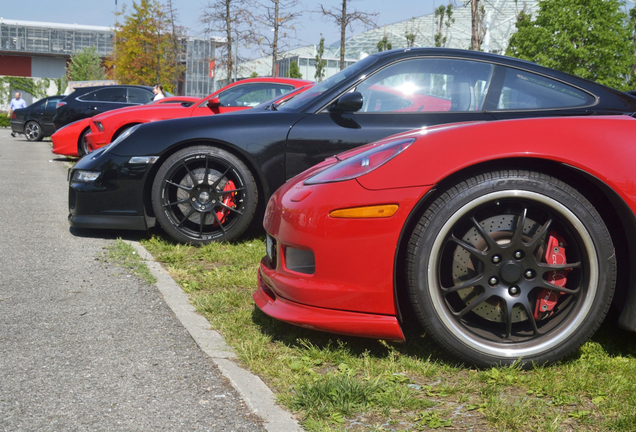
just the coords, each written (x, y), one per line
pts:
(206, 179)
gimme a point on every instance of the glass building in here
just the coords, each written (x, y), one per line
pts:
(41, 50)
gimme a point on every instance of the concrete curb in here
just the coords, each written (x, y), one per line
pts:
(259, 398)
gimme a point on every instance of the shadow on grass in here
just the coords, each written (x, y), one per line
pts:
(615, 341)
(416, 345)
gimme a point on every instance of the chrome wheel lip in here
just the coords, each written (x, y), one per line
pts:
(535, 346)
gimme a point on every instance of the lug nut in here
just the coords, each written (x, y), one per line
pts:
(496, 259)
(493, 281)
(194, 199)
(514, 290)
(518, 255)
(529, 274)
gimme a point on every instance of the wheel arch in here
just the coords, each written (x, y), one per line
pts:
(259, 177)
(616, 214)
(123, 128)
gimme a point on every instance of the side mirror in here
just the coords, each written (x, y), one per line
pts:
(348, 102)
(214, 102)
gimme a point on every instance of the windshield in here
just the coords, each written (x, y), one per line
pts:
(320, 88)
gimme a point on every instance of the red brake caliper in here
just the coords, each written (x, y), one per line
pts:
(228, 200)
(554, 254)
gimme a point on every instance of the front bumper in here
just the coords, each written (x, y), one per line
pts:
(328, 320)
(351, 287)
(96, 139)
(115, 200)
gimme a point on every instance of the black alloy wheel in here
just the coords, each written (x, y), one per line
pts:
(82, 145)
(511, 266)
(203, 194)
(33, 131)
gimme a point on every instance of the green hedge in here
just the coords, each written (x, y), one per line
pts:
(4, 120)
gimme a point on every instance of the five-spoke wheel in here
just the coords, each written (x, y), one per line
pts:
(203, 194)
(511, 265)
(33, 131)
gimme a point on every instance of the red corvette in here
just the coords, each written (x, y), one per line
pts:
(509, 240)
(104, 128)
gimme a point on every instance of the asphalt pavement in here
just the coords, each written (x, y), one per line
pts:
(83, 345)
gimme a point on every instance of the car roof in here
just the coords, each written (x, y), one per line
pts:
(82, 90)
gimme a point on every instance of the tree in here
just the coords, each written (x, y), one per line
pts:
(441, 13)
(588, 38)
(233, 20)
(384, 44)
(85, 65)
(411, 33)
(344, 19)
(177, 34)
(141, 53)
(277, 19)
(294, 70)
(477, 27)
(320, 62)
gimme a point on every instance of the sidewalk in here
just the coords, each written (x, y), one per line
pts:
(84, 346)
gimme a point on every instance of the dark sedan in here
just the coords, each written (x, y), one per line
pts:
(36, 120)
(207, 179)
(89, 101)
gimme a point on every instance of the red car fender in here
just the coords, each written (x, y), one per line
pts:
(65, 140)
(573, 141)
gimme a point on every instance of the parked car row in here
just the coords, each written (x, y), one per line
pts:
(506, 238)
(85, 135)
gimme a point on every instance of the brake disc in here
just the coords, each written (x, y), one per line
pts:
(466, 266)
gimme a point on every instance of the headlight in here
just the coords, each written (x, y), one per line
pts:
(85, 176)
(361, 163)
(99, 126)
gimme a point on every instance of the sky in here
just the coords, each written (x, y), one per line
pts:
(309, 27)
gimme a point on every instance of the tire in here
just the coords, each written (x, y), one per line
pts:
(33, 131)
(82, 145)
(486, 294)
(219, 209)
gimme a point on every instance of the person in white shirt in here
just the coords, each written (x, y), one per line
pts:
(16, 103)
(158, 91)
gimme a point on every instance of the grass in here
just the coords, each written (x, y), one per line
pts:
(335, 383)
(124, 255)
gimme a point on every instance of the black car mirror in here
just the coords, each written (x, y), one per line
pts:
(348, 102)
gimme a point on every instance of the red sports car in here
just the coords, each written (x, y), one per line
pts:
(70, 139)
(104, 128)
(509, 240)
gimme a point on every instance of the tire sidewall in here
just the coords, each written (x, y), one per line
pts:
(433, 222)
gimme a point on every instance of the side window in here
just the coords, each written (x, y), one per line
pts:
(108, 94)
(139, 96)
(524, 90)
(50, 105)
(427, 85)
(39, 105)
(250, 95)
